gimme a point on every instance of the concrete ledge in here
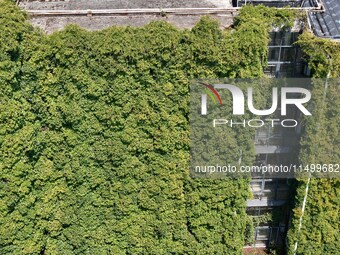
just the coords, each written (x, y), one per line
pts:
(264, 203)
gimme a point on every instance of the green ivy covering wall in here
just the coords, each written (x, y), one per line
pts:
(94, 136)
(319, 234)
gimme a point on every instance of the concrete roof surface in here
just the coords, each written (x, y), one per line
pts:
(122, 4)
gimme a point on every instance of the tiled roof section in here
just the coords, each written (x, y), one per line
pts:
(327, 24)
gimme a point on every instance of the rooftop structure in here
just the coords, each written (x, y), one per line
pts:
(327, 23)
(120, 4)
(323, 15)
(99, 14)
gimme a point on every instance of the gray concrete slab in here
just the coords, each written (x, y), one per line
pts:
(265, 203)
(122, 4)
(51, 24)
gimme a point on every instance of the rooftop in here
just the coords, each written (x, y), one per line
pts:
(323, 15)
(121, 4)
(99, 14)
(327, 23)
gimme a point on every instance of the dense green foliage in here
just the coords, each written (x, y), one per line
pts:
(320, 144)
(94, 137)
(323, 55)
